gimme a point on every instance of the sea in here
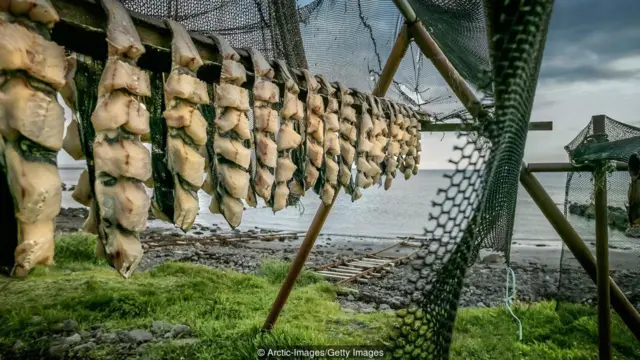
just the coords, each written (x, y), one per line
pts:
(403, 210)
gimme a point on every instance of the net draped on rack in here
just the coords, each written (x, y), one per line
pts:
(349, 41)
(579, 208)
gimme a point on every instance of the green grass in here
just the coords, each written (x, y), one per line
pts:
(226, 310)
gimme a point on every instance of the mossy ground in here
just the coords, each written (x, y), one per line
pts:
(226, 311)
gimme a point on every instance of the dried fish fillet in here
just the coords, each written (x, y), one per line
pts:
(186, 87)
(266, 150)
(71, 143)
(288, 138)
(229, 95)
(36, 246)
(185, 161)
(228, 118)
(118, 109)
(186, 207)
(182, 114)
(124, 158)
(119, 75)
(266, 91)
(232, 150)
(227, 52)
(35, 185)
(284, 169)
(122, 37)
(183, 50)
(32, 113)
(265, 119)
(234, 180)
(21, 49)
(127, 201)
(40, 11)
(233, 72)
(82, 193)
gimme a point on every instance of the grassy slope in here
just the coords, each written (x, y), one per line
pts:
(226, 310)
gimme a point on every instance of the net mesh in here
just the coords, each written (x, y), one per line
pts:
(624, 256)
(348, 41)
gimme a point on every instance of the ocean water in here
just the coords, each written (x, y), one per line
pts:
(402, 210)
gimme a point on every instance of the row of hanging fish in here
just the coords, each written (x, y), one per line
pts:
(270, 142)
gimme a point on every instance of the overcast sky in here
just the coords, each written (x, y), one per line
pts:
(591, 66)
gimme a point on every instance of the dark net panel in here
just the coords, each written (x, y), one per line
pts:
(624, 252)
(459, 29)
(270, 26)
(479, 205)
(350, 40)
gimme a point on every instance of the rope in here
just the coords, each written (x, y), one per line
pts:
(510, 298)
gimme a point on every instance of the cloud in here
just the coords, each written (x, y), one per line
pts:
(599, 43)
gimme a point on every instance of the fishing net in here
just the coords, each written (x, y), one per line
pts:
(349, 41)
(624, 252)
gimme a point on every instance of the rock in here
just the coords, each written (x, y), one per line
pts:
(185, 341)
(84, 347)
(57, 350)
(160, 327)
(493, 259)
(19, 345)
(481, 305)
(138, 336)
(85, 334)
(368, 310)
(69, 325)
(179, 330)
(351, 298)
(384, 307)
(108, 338)
(72, 340)
(348, 310)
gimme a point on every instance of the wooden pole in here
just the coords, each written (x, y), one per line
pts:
(602, 251)
(576, 245)
(390, 68)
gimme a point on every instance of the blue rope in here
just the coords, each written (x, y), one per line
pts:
(510, 298)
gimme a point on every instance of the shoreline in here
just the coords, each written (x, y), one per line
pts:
(536, 266)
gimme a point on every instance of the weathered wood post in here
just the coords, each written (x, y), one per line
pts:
(602, 249)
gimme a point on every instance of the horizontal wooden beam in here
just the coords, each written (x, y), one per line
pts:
(568, 167)
(440, 127)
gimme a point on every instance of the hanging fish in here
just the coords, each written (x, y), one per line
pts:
(329, 179)
(266, 123)
(31, 126)
(231, 160)
(183, 136)
(121, 161)
(314, 128)
(288, 138)
(364, 127)
(348, 138)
